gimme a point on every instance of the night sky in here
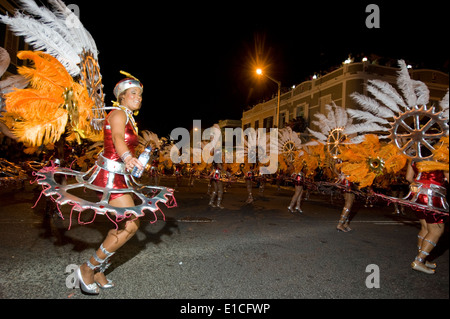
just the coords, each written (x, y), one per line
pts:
(197, 59)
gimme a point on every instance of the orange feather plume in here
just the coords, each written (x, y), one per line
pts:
(363, 162)
(52, 104)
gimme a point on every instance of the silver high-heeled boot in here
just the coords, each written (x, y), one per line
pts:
(212, 199)
(429, 264)
(249, 199)
(102, 266)
(219, 203)
(90, 289)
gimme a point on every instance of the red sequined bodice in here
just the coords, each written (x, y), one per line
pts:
(131, 139)
(427, 178)
(109, 151)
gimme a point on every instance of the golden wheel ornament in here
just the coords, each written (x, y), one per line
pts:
(416, 131)
(334, 141)
(376, 165)
(289, 150)
(91, 78)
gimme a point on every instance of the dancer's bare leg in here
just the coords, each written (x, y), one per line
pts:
(344, 219)
(115, 239)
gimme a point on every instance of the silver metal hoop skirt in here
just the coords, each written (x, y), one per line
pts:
(149, 196)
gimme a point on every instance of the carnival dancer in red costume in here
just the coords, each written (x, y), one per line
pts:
(413, 124)
(67, 98)
(216, 176)
(349, 197)
(298, 179)
(120, 140)
(427, 188)
(249, 178)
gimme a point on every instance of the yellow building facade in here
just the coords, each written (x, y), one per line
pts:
(310, 97)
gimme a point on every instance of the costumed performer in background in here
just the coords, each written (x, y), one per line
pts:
(427, 187)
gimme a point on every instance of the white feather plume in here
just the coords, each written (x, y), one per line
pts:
(383, 98)
(364, 127)
(75, 26)
(287, 135)
(422, 92)
(321, 137)
(340, 115)
(372, 105)
(366, 116)
(336, 118)
(405, 84)
(390, 92)
(375, 117)
(330, 116)
(45, 39)
(323, 123)
(58, 33)
(48, 18)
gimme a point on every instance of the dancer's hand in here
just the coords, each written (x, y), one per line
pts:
(131, 162)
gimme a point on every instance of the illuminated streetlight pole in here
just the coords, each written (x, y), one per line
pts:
(260, 72)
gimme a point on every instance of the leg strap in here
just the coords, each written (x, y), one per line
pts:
(424, 252)
(418, 246)
(344, 215)
(103, 263)
(432, 243)
(421, 260)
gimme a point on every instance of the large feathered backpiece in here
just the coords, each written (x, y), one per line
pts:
(289, 146)
(332, 129)
(52, 103)
(363, 162)
(403, 117)
(65, 90)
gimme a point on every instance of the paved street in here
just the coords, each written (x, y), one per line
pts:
(258, 251)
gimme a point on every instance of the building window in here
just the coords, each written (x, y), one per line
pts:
(324, 100)
(282, 119)
(268, 122)
(256, 124)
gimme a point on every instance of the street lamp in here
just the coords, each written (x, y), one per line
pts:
(260, 72)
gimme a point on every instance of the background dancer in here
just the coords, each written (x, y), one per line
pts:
(249, 178)
(431, 224)
(217, 186)
(298, 179)
(349, 197)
